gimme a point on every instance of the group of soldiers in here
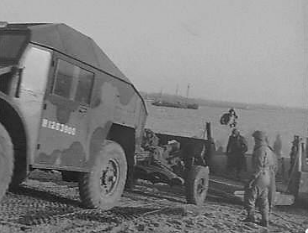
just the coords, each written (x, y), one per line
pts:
(260, 188)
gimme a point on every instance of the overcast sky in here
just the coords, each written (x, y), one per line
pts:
(235, 50)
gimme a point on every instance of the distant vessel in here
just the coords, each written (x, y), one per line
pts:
(176, 103)
(170, 104)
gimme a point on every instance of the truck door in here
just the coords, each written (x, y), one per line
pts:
(65, 119)
(36, 64)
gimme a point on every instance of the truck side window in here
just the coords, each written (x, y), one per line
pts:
(84, 88)
(64, 79)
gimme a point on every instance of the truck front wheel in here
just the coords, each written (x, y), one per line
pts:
(104, 185)
(6, 160)
(196, 185)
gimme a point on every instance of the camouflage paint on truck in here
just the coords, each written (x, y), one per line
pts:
(68, 94)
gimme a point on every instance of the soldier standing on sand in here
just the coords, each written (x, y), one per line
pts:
(293, 153)
(236, 149)
(277, 148)
(261, 186)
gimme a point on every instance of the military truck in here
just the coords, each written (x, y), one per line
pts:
(65, 106)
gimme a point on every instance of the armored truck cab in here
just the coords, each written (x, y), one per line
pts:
(65, 106)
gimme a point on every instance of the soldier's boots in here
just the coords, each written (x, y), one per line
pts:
(265, 218)
(264, 223)
(250, 217)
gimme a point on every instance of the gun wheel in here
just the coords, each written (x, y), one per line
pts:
(197, 185)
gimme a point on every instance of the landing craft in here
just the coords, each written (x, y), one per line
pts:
(65, 106)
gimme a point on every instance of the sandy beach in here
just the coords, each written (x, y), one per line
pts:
(46, 204)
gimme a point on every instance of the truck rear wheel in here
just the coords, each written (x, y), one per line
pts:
(6, 160)
(104, 185)
(196, 185)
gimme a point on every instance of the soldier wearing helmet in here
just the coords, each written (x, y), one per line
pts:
(261, 185)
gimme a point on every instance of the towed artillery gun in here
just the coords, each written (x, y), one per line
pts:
(65, 106)
(177, 160)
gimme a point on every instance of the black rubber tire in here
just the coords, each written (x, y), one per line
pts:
(196, 185)
(20, 171)
(6, 160)
(92, 189)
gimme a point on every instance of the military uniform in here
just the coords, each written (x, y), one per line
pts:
(236, 148)
(293, 154)
(261, 186)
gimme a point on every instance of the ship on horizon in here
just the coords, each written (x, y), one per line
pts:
(176, 103)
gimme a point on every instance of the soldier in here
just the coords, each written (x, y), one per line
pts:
(293, 153)
(277, 148)
(261, 185)
(236, 149)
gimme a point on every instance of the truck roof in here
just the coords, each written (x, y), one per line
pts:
(66, 40)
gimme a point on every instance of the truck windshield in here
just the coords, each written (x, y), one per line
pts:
(11, 46)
